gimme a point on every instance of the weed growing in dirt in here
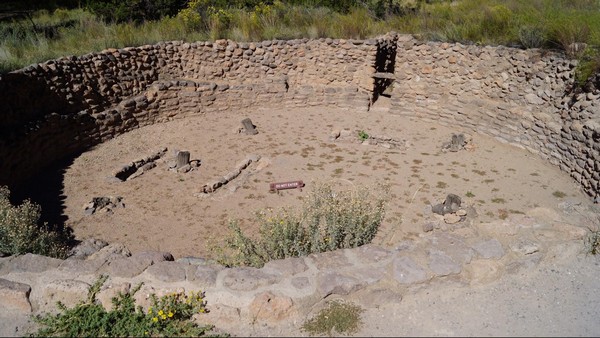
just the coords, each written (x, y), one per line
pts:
(363, 136)
(559, 194)
(20, 231)
(592, 241)
(338, 318)
(498, 200)
(328, 220)
(170, 315)
(470, 194)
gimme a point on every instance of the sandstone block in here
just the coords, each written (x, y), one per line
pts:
(14, 296)
(330, 282)
(442, 265)
(406, 271)
(246, 279)
(267, 307)
(167, 271)
(489, 249)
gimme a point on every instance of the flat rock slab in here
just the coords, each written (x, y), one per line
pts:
(442, 265)
(247, 279)
(370, 253)
(329, 283)
(406, 271)
(331, 259)
(206, 275)
(453, 246)
(286, 267)
(30, 263)
(167, 271)
(489, 249)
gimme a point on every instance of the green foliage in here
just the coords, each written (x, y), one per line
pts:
(328, 220)
(589, 64)
(134, 10)
(20, 231)
(362, 135)
(337, 318)
(568, 25)
(168, 316)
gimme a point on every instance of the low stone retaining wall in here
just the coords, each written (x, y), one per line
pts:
(287, 290)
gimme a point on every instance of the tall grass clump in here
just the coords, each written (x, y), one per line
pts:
(21, 231)
(328, 220)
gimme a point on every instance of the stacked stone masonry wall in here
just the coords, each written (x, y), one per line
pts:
(63, 106)
(522, 97)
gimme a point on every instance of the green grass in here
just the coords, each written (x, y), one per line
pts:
(541, 23)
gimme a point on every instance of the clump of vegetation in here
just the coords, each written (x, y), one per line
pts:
(592, 240)
(559, 194)
(21, 231)
(566, 25)
(168, 316)
(328, 220)
(363, 136)
(337, 318)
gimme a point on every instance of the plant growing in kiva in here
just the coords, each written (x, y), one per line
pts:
(328, 220)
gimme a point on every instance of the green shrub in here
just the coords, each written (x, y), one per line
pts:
(589, 64)
(20, 231)
(328, 220)
(337, 318)
(168, 316)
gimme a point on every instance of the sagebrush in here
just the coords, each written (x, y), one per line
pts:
(21, 231)
(169, 316)
(328, 220)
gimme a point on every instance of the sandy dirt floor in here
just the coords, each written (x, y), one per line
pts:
(163, 210)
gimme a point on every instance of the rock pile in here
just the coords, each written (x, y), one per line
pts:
(103, 204)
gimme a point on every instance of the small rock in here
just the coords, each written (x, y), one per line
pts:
(451, 218)
(334, 135)
(461, 212)
(427, 227)
(525, 247)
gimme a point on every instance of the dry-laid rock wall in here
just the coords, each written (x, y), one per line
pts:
(63, 106)
(522, 97)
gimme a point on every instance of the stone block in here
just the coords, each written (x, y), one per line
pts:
(31, 263)
(69, 292)
(489, 249)
(442, 265)
(286, 267)
(205, 275)
(247, 279)
(14, 296)
(267, 307)
(406, 271)
(167, 271)
(330, 282)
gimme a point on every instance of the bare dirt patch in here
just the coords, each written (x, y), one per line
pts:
(163, 210)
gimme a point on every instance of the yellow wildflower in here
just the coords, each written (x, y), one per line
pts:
(160, 313)
(154, 319)
(170, 314)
